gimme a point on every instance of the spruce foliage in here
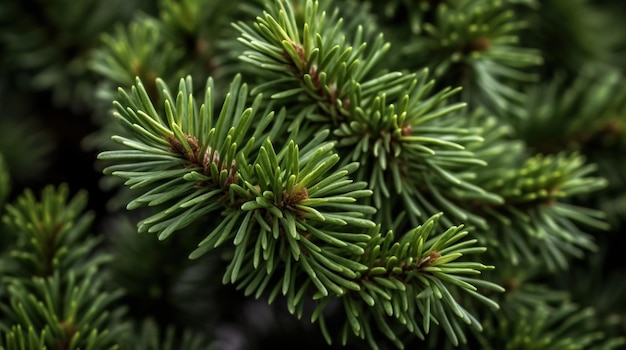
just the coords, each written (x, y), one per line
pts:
(197, 174)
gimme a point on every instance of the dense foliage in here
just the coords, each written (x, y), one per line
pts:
(198, 174)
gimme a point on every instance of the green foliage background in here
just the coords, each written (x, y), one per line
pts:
(200, 174)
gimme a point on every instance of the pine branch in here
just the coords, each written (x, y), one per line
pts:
(537, 314)
(392, 123)
(187, 35)
(45, 229)
(290, 215)
(129, 53)
(536, 216)
(66, 312)
(55, 294)
(473, 44)
(562, 326)
(192, 157)
(299, 175)
(415, 264)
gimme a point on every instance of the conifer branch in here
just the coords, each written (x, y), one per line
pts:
(193, 156)
(312, 170)
(320, 186)
(290, 212)
(55, 294)
(128, 52)
(474, 44)
(392, 123)
(536, 216)
(561, 326)
(45, 229)
(415, 274)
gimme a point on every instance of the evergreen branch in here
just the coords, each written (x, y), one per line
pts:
(16, 339)
(186, 34)
(67, 312)
(55, 295)
(535, 217)
(296, 213)
(563, 326)
(410, 283)
(535, 210)
(186, 154)
(46, 232)
(400, 15)
(476, 45)
(285, 212)
(314, 58)
(187, 174)
(415, 144)
(391, 123)
(129, 53)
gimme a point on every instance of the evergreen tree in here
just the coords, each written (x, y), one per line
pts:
(198, 174)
